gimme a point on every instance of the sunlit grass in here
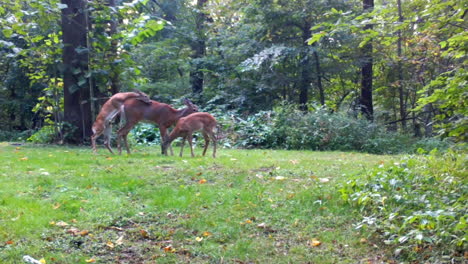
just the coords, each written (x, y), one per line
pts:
(245, 205)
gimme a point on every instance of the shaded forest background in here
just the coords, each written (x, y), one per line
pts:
(264, 67)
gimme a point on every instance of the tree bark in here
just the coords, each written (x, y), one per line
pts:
(400, 71)
(77, 103)
(365, 101)
(199, 49)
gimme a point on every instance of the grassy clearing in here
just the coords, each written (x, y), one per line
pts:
(66, 205)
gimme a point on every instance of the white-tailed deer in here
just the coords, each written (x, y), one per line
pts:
(158, 113)
(185, 127)
(109, 111)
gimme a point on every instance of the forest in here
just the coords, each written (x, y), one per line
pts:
(341, 129)
(393, 71)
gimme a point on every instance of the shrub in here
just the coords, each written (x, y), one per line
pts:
(417, 206)
(15, 135)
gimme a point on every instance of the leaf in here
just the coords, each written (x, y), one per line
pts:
(61, 224)
(119, 241)
(144, 233)
(199, 239)
(43, 261)
(91, 260)
(202, 181)
(110, 245)
(315, 243)
(207, 234)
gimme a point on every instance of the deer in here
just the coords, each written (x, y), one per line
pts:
(158, 113)
(110, 109)
(187, 125)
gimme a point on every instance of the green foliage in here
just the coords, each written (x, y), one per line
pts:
(289, 128)
(417, 206)
(44, 135)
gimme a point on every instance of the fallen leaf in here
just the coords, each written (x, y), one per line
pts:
(24, 158)
(84, 233)
(119, 241)
(363, 240)
(207, 234)
(315, 243)
(280, 178)
(144, 233)
(61, 224)
(42, 260)
(294, 162)
(169, 249)
(91, 260)
(110, 245)
(109, 158)
(9, 242)
(199, 173)
(324, 180)
(248, 221)
(202, 181)
(199, 239)
(74, 231)
(57, 206)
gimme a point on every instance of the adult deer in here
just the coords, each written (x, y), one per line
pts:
(108, 112)
(189, 124)
(158, 113)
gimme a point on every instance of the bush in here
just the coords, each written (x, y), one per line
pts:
(44, 135)
(288, 128)
(15, 135)
(418, 206)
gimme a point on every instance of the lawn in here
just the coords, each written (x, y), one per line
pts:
(66, 205)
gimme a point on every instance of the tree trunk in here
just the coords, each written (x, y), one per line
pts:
(365, 100)
(199, 49)
(400, 72)
(77, 103)
(115, 71)
(306, 71)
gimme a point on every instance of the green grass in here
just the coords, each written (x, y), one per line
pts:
(245, 206)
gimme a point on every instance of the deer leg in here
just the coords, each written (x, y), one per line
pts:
(189, 139)
(207, 142)
(107, 137)
(93, 140)
(182, 146)
(213, 138)
(122, 133)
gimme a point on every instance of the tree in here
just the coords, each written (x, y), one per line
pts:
(365, 101)
(77, 100)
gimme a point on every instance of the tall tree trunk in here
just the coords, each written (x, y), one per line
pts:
(400, 72)
(77, 101)
(365, 100)
(318, 72)
(306, 68)
(115, 71)
(199, 49)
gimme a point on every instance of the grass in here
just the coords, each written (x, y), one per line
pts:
(65, 205)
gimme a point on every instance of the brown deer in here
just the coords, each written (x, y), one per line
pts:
(158, 113)
(189, 124)
(108, 112)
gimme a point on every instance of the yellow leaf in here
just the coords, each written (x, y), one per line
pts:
(202, 181)
(199, 239)
(84, 232)
(110, 244)
(52, 223)
(294, 162)
(42, 260)
(207, 234)
(57, 206)
(363, 240)
(24, 158)
(315, 243)
(248, 221)
(91, 260)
